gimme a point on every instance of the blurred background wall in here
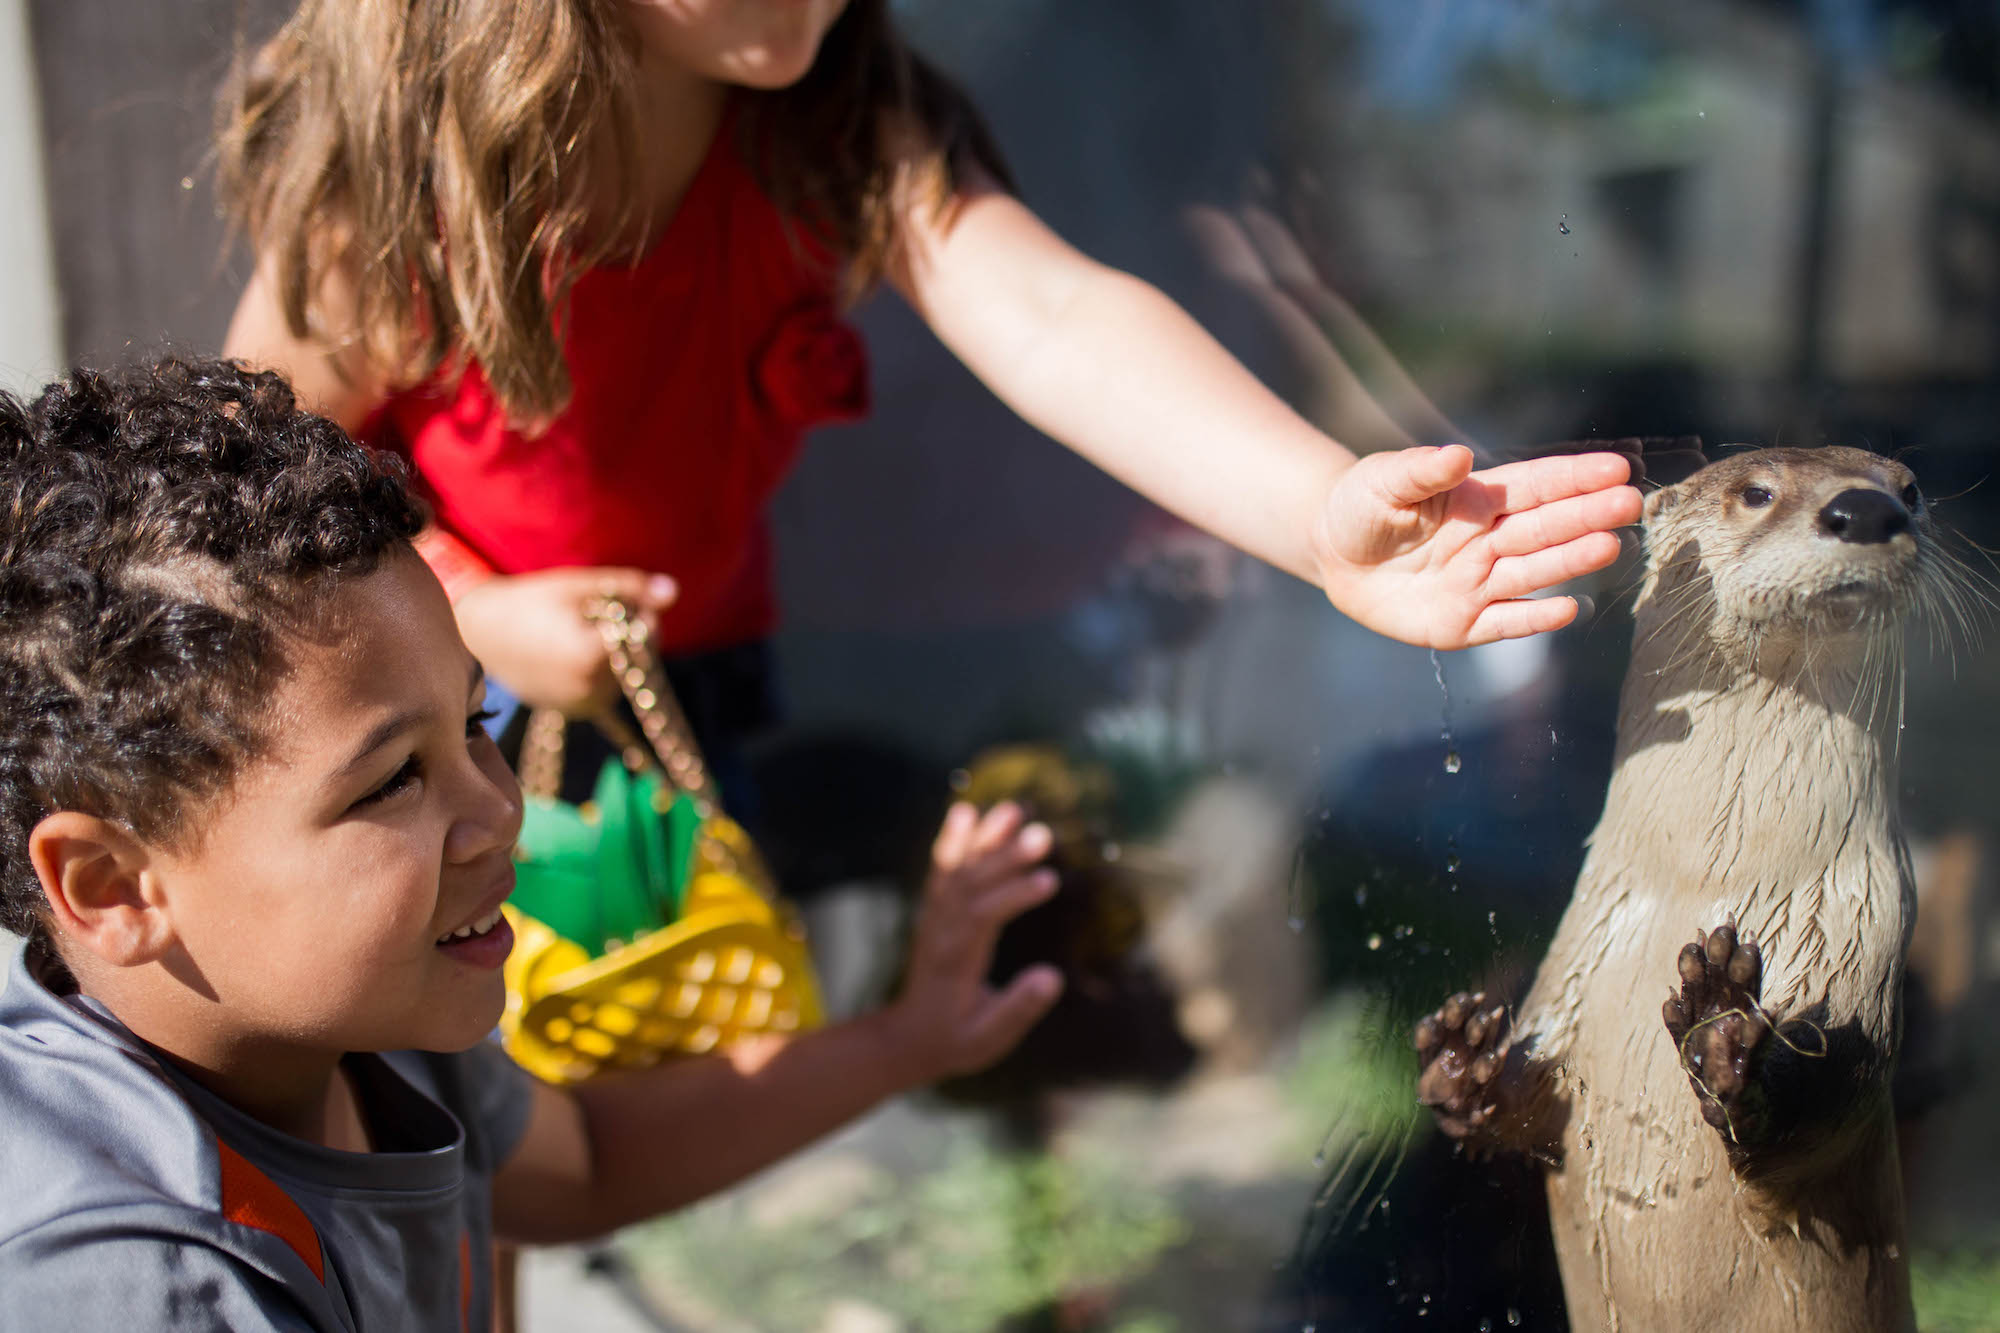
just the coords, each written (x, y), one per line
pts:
(30, 340)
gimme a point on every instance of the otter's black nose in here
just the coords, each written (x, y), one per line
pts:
(1863, 516)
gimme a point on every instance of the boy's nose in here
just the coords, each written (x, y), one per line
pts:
(492, 815)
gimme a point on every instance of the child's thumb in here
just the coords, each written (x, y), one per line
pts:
(1027, 999)
(1422, 472)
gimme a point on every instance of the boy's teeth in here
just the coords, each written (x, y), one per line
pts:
(479, 927)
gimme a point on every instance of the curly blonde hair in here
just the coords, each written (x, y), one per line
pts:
(454, 157)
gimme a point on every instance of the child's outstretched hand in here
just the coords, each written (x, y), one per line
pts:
(1416, 545)
(985, 871)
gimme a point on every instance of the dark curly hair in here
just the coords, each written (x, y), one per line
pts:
(164, 531)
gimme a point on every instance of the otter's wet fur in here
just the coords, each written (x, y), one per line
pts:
(1754, 784)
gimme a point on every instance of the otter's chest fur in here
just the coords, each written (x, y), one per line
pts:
(1758, 804)
(1768, 803)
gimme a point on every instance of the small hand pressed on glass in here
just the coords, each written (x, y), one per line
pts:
(1416, 545)
(985, 870)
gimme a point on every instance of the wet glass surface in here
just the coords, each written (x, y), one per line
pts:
(1514, 223)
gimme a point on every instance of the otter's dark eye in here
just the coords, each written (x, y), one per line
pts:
(1912, 497)
(1756, 497)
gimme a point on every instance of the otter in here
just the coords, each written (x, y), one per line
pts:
(1729, 1160)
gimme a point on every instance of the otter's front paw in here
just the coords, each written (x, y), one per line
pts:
(1462, 1048)
(1721, 1031)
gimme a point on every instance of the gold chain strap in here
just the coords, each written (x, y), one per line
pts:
(541, 762)
(627, 643)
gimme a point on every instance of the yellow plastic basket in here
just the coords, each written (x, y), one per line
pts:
(726, 970)
(733, 964)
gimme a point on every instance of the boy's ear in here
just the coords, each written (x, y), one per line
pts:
(101, 897)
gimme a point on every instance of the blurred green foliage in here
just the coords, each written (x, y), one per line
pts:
(960, 1248)
(1957, 1291)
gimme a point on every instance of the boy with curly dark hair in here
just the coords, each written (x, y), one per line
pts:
(256, 838)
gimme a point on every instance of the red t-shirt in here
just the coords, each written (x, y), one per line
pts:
(696, 373)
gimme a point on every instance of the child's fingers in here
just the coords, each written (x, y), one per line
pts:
(1519, 575)
(1518, 619)
(1008, 899)
(1022, 848)
(1012, 857)
(1538, 481)
(995, 827)
(954, 838)
(1561, 521)
(1002, 1023)
(636, 587)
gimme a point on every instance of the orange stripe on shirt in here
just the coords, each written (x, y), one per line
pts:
(465, 1282)
(252, 1199)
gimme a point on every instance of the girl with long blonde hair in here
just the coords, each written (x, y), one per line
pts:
(583, 261)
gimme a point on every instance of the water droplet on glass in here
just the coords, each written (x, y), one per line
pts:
(187, 182)
(1486, 1326)
(1374, 943)
(1450, 750)
(1513, 1318)
(1309, 1327)
(960, 780)
(1361, 897)
(1701, 115)
(1451, 863)
(1563, 226)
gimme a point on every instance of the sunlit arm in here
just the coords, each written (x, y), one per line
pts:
(625, 1147)
(1111, 367)
(1411, 543)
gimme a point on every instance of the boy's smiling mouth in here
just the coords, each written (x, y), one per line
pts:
(479, 927)
(485, 941)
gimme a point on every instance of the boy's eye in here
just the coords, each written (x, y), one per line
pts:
(397, 782)
(475, 725)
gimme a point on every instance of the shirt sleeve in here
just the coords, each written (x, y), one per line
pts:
(108, 1269)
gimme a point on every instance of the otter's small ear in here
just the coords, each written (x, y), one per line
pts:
(1660, 501)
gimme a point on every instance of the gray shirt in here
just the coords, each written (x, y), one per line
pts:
(133, 1199)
